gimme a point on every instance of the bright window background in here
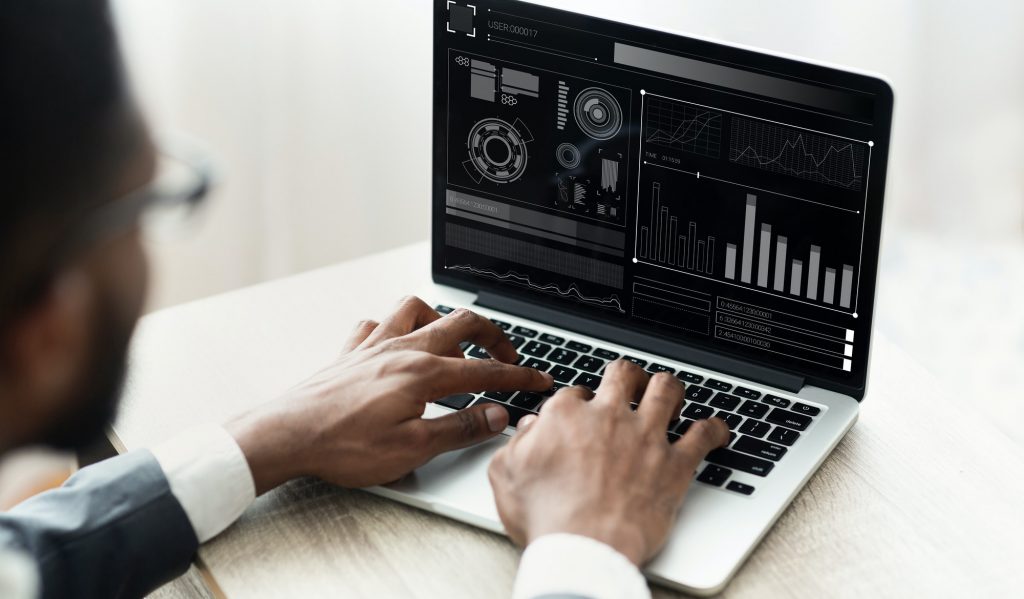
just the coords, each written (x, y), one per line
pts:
(318, 112)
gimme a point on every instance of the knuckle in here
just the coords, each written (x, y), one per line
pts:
(409, 301)
(419, 437)
(462, 315)
(468, 425)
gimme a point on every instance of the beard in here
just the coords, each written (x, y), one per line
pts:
(95, 405)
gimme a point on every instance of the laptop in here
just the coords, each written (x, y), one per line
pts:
(603, 190)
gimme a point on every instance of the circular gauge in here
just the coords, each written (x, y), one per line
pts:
(497, 150)
(568, 155)
(598, 113)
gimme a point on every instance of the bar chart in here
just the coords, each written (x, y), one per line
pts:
(759, 237)
(753, 240)
(662, 241)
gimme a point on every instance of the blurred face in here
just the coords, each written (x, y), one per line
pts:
(95, 309)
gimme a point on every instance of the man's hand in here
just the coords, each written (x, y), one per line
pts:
(593, 467)
(359, 421)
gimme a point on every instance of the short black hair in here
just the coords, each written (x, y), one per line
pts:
(65, 122)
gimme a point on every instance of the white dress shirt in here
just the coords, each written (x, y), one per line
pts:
(210, 477)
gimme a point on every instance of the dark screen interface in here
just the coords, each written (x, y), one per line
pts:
(710, 195)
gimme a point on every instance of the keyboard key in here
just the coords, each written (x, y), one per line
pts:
(515, 414)
(528, 400)
(725, 401)
(465, 345)
(789, 419)
(672, 437)
(563, 356)
(761, 449)
(748, 393)
(552, 339)
(731, 420)
(740, 461)
(698, 394)
(501, 324)
(806, 409)
(776, 401)
(739, 487)
(443, 309)
(591, 381)
(606, 354)
(538, 364)
(689, 377)
(516, 340)
(655, 368)
(755, 428)
(637, 361)
(456, 402)
(684, 425)
(753, 409)
(783, 435)
(479, 353)
(502, 396)
(563, 374)
(716, 384)
(698, 412)
(525, 332)
(714, 475)
(554, 389)
(577, 346)
(536, 348)
(589, 363)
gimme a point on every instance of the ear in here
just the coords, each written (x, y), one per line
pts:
(48, 346)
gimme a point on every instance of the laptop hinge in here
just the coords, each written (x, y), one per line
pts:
(649, 343)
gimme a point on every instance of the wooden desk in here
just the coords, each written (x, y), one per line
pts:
(921, 499)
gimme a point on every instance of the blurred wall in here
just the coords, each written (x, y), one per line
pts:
(318, 114)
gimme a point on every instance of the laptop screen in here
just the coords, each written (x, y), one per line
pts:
(704, 194)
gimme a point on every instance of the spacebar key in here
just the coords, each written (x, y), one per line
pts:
(514, 414)
(739, 461)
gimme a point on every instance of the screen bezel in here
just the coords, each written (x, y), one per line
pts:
(719, 52)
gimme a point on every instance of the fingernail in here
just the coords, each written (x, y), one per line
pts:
(495, 418)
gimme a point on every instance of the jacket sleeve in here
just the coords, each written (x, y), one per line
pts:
(113, 530)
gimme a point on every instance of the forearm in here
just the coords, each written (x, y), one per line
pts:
(114, 529)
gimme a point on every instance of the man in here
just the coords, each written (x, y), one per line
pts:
(589, 487)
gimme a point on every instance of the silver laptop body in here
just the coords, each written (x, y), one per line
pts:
(604, 189)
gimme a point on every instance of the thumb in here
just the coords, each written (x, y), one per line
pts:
(465, 427)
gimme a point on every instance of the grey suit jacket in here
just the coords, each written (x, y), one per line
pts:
(113, 530)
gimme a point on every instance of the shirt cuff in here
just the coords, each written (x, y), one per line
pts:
(209, 476)
(566, 564)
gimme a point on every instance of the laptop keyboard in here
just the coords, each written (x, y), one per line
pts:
(763, 425)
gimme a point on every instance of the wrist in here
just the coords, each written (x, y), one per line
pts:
(624, 539)
(268, 442)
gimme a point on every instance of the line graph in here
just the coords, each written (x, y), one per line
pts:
(683, 126)
(572, 292)
(801, 154)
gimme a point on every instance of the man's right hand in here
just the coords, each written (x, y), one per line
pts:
(593, 467)
(359, 422)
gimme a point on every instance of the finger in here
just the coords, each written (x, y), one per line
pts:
(702, 437)
(525, 423)
(463, 428)
(359, 334)
(567, 397)
(456, 375)
(624, 382)
(661, 402)
(411, 314)
(441, 336)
